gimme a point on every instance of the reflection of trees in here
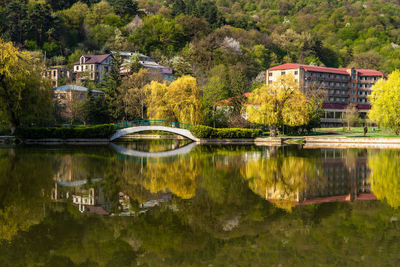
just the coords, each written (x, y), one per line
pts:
(282, 177)
(180, 178)
(24, 179)
(385, 176)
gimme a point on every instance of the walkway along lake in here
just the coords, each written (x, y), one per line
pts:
(174, 203)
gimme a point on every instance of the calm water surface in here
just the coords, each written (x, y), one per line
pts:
(188, 205)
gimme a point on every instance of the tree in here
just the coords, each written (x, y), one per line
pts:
(180, 101)
(184, 99)
(25, 96)
(16, 23)
(124, 7)
(385, 102)
(132, 95)
(134, 64)
(350, 116)
(181, 66)
(281, 103)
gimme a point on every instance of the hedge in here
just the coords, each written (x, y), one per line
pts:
(96, 131)
(209, 132)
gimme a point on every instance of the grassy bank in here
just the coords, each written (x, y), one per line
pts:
(358, 132)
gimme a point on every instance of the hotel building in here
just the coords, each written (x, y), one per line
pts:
(343, 87)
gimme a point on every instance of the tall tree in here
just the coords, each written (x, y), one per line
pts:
(385, 102)
(281, 103)
(25, 96)
(180, 101)
(16, 20)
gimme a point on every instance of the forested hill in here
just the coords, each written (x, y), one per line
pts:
(196, 36)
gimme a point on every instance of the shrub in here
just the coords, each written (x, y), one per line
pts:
(96, 131)
(209, 132)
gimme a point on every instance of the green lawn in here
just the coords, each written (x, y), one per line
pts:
(357, 132)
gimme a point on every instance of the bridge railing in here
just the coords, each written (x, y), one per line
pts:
(137, 123)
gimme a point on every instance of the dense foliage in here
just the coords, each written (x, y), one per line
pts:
(97, 131)
(224, 44)
(385, 102)
(209, 132)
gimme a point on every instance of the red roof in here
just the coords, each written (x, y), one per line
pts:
(364, 72)
(94, 59)
(227, 101)
(289, 66)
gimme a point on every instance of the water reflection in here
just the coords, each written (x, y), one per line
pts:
(218, 205)
(385, 175)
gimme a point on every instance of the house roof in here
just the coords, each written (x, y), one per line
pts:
(366, 72)
(72, 87)
(289, 66)
(227, 102)
(94, 59)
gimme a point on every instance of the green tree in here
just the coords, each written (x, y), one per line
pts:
(25, 96)
(281, 103)
(158, 33)
(385, 102)
(16, 20)
(132, 95)
(350, 116)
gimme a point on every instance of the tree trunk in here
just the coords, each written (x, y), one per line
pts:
(272, 130)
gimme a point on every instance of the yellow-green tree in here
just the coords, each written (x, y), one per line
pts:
(157, 103)
(385, 176)
(25, 97)
(385, 102)
(282, 178)
(282, 102)
(179, 101)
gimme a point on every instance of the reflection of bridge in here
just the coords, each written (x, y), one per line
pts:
(130, 127)
(170, 153)
(77, 183)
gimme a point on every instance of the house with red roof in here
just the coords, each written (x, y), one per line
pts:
(343, 87)
(92, 67)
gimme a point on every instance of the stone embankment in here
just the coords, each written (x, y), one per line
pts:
(349, 142)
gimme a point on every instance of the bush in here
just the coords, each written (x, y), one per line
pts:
(97, 131)
(209, 132)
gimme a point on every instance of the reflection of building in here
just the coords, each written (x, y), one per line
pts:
(343, 86)
(345, 178)
(91, 201)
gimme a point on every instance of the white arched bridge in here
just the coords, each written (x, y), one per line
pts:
(129, 127)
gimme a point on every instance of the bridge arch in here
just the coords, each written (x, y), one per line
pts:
(136, 129)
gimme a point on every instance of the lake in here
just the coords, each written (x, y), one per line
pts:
(174, 203)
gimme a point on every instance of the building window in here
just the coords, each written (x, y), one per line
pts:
(296, 72)
(283, 73)
(270, 74)
(62, 96)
